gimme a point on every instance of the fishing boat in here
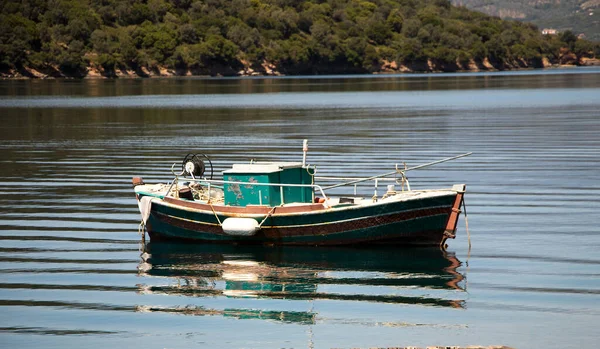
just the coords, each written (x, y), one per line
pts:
(280, 203)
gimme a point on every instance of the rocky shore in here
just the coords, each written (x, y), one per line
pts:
(267, 69)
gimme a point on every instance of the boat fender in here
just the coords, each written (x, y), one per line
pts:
(240, 226)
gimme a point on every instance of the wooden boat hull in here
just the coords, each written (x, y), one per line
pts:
(426, 220)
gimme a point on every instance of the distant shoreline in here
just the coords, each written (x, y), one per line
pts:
(387, 68)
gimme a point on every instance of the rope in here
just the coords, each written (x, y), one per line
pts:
(215, 213)
(267, 216)
(142, 228)
(443, 243)
(469, 239)
(467, 225)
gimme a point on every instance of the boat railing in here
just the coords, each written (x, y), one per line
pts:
(215, 182)
(355, 181)
(396, 172)
(321, 189)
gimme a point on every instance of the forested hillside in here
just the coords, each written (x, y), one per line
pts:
(230, 37)
(578, 16)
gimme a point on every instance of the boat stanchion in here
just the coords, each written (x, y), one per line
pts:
(304, 151)
(404, 179)
(375, 193)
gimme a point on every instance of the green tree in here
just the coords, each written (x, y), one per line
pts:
(218, 49)
(569, 38)
(107, 62)
(583, 48)
(378, 30)
(478, 51)
(18, 35)
(443, 55)
(395, 20)
(410, 50)
(316, 36)
(188, 34)
(71, 60)
(430, 15)
(128, 52)
(411, 27)
(244, 36)
(496, 51)
(100, 41)
(320, 30)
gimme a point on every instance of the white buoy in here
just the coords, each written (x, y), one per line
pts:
(240, 226)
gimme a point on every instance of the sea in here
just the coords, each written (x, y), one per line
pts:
(523, 271)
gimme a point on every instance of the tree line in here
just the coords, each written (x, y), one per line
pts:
(294, 37)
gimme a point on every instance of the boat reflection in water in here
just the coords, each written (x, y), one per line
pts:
(427, 277)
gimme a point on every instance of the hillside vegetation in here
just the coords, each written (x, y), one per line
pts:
(229, 37)
(578, 16)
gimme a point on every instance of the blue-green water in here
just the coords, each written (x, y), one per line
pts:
(74, 273)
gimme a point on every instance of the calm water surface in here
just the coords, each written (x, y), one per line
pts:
(74, 272)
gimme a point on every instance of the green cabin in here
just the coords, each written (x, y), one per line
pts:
(267, 173)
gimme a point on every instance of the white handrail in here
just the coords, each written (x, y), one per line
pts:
(327, 178)
(397, 171)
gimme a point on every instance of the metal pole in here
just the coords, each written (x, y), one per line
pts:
(304, 151)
